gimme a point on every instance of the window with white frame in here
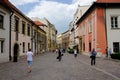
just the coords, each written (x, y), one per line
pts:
(1, 46)
(1, 21)
(114, 21)
(116, 47)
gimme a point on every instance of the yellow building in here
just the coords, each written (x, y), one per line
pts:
(39, 38)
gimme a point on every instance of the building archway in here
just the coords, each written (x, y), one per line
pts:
(16, 50)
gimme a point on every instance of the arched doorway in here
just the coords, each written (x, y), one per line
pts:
(15, 56)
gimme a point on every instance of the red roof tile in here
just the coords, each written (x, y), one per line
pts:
(38, 23)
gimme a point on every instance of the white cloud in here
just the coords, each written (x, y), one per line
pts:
(59, 14)
(22, 2)
(84, 2)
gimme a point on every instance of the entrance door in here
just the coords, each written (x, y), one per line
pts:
(80, 43)
(15, 56)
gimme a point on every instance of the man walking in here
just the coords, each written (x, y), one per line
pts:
(29, 56)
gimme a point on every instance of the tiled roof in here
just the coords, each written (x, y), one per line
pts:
(38, 23)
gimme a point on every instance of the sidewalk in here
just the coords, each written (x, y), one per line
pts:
(108, 66)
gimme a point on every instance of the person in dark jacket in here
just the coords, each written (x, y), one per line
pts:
(93, 57)
(59, 55)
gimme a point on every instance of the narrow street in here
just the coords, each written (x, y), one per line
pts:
(46, 67)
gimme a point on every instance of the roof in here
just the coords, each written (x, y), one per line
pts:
(97, 5)
(38, 23)
(3, 3)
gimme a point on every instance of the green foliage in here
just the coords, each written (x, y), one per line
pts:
(115, 56)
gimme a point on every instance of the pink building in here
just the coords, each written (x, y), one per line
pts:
(98, 25)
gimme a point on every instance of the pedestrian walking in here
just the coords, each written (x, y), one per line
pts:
(59, 55)
(106, 52)
(93, 57)
(109, 52)
(75, 53)
(56, 51)
(29, 57)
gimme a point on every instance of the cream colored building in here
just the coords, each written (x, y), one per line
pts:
(72, 26)
(5, 13)
(20, 35)
(59, 40)
(20, 32)
(39, 38)
(51, 33)
(65, 39)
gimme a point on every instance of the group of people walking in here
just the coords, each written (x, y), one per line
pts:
(60, 54)
(29, 56)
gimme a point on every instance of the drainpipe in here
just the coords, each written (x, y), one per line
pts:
(10, 57)
(106, 26)
(31, 36)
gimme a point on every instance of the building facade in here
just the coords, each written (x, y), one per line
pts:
(39, 38)
(16, 33)
(5, 14)
(59, 40)
(65, 39)
(73, 27)
(21, 31)
(51, 33)
(99, 26)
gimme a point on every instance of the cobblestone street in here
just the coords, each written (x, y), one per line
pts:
(46, 67)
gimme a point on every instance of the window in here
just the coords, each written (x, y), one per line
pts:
(16, 24)
(23, 47)
(83, 46)
(90, 25)
(90, 46)
(28, 30)
(1, 21)
(114, 22)
(23, 27)
(116, 46)
(28, 46)
(1, 46)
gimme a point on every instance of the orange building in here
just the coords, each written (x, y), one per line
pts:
(95, 26)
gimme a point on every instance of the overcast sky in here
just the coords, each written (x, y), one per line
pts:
(58, 12)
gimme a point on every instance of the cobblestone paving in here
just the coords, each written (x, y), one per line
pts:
(46, 67)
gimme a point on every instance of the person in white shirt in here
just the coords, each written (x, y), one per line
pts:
(75, 53)
(29, 56)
